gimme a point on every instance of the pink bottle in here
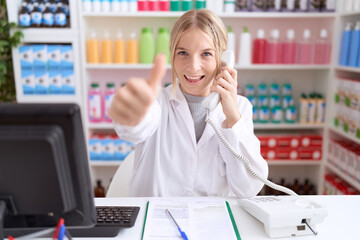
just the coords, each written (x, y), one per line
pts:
(289, 48)
(142, 5)
(95, 104)
(153, 5)
(274, 48)
(109, 94)
(305, 50)
(322, 49)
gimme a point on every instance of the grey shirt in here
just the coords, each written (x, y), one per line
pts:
(198, 113)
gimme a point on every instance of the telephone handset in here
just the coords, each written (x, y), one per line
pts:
(211, 101)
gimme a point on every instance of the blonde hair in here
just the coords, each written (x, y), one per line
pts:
(206, 21)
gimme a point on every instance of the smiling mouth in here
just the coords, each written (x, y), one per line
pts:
(194, 79)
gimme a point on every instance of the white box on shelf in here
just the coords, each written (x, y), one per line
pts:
(41, 82)
(28, 82)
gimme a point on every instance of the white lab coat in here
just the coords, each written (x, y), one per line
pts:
(169, 161)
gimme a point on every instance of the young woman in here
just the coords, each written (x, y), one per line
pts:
(177, 153)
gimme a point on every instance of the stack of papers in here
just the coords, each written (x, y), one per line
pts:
(199, 219)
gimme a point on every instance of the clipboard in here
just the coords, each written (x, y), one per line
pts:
(148, 220)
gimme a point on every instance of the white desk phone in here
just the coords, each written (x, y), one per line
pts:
(282, 216)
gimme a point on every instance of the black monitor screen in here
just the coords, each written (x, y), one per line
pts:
(44, 172)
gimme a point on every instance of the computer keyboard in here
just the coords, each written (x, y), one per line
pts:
(110, 219)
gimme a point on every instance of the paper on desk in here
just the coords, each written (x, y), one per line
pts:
(199, 219)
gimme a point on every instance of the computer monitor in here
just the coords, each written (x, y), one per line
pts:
(44, 171)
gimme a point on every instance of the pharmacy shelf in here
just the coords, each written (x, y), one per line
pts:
(48, 35)
(101, 125)
(21, 98)
(341, 174)
(350, 14)
(348, 69)
(105, 163)
(295, 126)
(261, 15)
(285, 162)
(345, 135)
(239, 67)
(122, 66)
(282, 67)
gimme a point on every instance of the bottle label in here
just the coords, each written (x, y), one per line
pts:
(24, 20)
(36, 18)
(94, 107)
(48, 19)
(60, 19)
(108, 100)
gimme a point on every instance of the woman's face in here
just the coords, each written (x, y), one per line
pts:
(195, 62)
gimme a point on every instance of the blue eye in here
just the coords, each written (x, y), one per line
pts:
(207, 54)
(183, 53)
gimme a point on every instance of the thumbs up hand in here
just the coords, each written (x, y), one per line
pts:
(132, 101)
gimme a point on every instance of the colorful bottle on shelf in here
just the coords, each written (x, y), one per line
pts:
(106, 49)
(95, 103)
(147, 46)
(345, 45)
(174, 5)
(354, 46)
(60, 16)
(186, 5)
(231, 39)
(24, 16)
(305, 53)
(289, 48)
(119, 48)
(245, 48)
(163, 43)
(259, 47)
(274, 48)
(322, 49)
(132, 49)
(153, 5)
(199, 4)
(109, 95)
(164, 5)
(93, 48)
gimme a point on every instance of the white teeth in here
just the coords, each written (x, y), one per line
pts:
(193, 78)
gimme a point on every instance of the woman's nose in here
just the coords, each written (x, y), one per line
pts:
(194, 64)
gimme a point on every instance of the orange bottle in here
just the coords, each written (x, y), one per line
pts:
(106, 49)
(119, 48)
(133, 49)
(93, 48)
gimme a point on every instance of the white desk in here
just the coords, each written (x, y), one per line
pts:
(342, 222)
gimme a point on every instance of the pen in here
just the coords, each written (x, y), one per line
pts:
(181, 232)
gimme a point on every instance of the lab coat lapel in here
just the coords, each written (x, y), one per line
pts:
(180, 104)
(216, 116)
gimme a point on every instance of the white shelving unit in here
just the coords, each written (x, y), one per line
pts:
(304, 78)
(342, 72)
(43, 36)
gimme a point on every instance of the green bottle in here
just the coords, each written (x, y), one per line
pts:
(186, 5)
(175, 5)
(147, 46)
(163, 42)
(199, 4)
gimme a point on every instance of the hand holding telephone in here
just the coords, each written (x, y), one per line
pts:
(211, 101)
